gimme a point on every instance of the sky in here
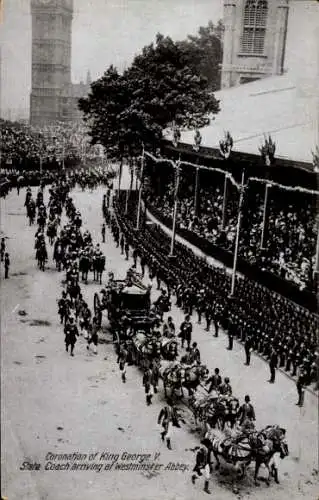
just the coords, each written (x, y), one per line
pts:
(104, 32)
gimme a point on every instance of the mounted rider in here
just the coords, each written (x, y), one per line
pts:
(150, 383)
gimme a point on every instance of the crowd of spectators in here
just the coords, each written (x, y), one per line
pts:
(254, 314)
(15, 178)
(23, 146)
(290, 243)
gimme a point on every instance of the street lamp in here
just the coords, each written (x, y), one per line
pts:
(140, 190)
(196, 147)
(241, 199)
(177, 179)
(268, 153)
(225, 148)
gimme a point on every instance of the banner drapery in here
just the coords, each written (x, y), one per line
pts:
(231, 178)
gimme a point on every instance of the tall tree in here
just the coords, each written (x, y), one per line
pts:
(157, 90)
(204, 53)
(103, 111)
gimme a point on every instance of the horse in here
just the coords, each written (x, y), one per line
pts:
(146, 349)
(84, 267)
(39, 201)
(28, 197)
(42, 257)
(274, 442)
(41, 222)
(222, 410)
(31, 212)
(177, 376)
(98, 268)
(51, 232)
(235, 451)
(192, 377)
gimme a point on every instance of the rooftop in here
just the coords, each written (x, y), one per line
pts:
(282, 106)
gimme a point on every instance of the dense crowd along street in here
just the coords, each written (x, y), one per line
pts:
(291, 229)
(183, 347)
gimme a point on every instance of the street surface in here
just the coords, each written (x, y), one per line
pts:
(52, 403)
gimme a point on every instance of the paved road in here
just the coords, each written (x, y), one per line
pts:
(54, 403)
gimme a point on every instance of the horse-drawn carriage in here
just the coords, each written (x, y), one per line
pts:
(128, 308)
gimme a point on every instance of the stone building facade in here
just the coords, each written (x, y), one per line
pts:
(254, 40)
(53, 96)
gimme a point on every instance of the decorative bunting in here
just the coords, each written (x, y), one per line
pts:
(231, 178)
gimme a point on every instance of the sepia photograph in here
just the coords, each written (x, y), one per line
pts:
(159, 237)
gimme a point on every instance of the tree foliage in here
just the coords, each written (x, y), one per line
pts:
(158, 90)
(204, 53)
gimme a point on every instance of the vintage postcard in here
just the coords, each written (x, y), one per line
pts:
(159, 249)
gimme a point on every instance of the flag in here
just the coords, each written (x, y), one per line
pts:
(197, 141)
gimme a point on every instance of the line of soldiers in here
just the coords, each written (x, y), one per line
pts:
(260, 319)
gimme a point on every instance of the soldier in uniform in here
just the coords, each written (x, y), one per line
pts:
(103, 230)
(248, 349)
(200, 304)
(94, 336)
(231, 332)
(6, 265)
(208, 316)
(71, 333)
(203, 464)
(168, 417)
(3, 248)
(122, 243)
(214, 381)
(148, 382)
(246, 411)
(216, 318)
(273, 364)
(186, 329)
(126, 249)
(63, 307)
(301, 388)
(135, 256)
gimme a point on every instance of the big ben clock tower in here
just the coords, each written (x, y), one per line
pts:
(51, 60)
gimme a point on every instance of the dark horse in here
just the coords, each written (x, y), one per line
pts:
(176, 377)
(84, 267)
(51, 232)
(42, 257)
(98, 268)
(31, 212)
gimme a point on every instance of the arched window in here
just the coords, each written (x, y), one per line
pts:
(255, 20)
